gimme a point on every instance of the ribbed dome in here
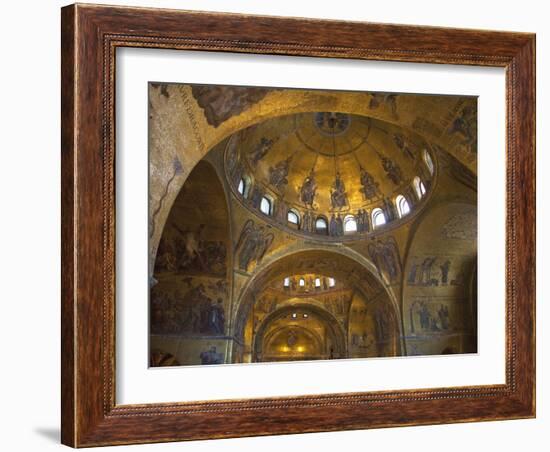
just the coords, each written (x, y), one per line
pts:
(328, 163)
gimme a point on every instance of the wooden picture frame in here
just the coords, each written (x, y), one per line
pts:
(90, 36)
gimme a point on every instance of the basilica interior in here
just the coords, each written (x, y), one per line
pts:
(289, 225)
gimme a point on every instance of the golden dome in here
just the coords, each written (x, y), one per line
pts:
(328, 163)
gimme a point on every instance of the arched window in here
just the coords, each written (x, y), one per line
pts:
(244, 185)
(266, 205)
(293, 217)
(419, 187)
(331, 282)
(429, 162)
(302, 282)
(317, 283)
(321, 225)
(286, 282)
(402, 204)
(350, 224)
(241, 187)
(378, 217)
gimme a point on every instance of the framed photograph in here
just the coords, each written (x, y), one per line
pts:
(281, 225)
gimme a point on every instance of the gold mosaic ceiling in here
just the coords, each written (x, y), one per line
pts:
(329, 161)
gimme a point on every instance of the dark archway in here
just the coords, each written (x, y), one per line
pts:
(192, 273)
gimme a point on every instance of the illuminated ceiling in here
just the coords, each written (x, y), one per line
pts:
(328, 163)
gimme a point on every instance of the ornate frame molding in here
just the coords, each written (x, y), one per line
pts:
(90, 36)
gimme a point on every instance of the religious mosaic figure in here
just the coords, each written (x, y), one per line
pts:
(278, 174)
(332, 226)
(220, 103)
(307, 192)
(268, 305)
(256, 197)
(190, 253)
(332, 123)
(428, 319)
(406, 146)
(411, 278)
(363, 224)
(385, 255)
(339, 225)
(338, 197)
(291, 338)
(421, 272)
(456, 169)
(464, 124)
(237, 173)
(393, 171)
(424, 316)
(383, 320)
(389, 209)
(307, 221)
(232, 154)
(196, 303)
(281, 211)
(189, 249)
(253, 243)
(426, 272)
(460, 277)
(211, 357)
(445, 267)
(360, 221)
(166, 257)
(390, 100)
(261, 150)
(370, 186)
(216, 318)
(443, 314)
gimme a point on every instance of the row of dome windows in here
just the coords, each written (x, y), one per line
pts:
(294, 315)
(378, 216)
(316, 282)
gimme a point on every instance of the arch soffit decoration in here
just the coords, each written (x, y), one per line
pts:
(309, 301)
(245, 298)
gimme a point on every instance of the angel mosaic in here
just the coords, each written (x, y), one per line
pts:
(261, 150)
(465, 125)
(385, 255)
(406, 146)
(389, 100)
(253, 243)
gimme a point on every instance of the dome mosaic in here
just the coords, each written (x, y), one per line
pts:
(330, 173)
